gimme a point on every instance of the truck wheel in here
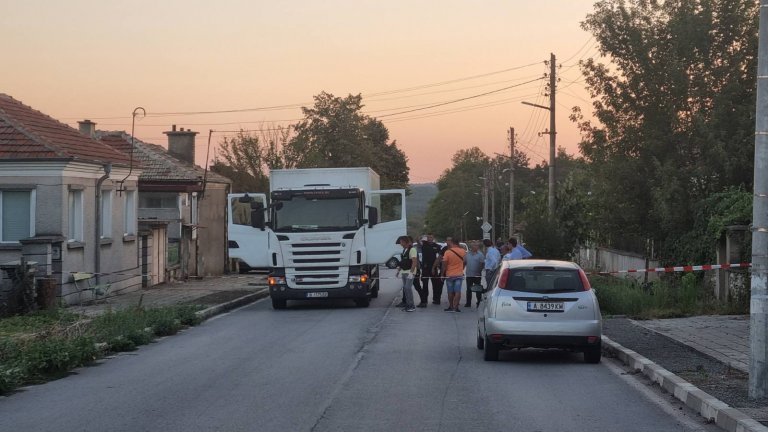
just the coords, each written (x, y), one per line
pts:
(480, 341)
(279, 304)
(363, 302)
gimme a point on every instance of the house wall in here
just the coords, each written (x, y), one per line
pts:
(52, 182)
(212, 234)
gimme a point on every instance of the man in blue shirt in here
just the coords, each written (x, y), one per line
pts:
(474, 260)
(492, 259)
(517, 251)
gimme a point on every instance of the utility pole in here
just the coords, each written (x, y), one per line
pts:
(493, 201)
(485, 200)
(552, 132)
(758, 311)
(511, 182)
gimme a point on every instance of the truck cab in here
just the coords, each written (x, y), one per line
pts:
(318, 241)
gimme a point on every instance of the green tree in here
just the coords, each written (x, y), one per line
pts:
(675, 109)
(247, 157)
(335, 133)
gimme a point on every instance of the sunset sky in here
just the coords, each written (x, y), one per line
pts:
(101, 59)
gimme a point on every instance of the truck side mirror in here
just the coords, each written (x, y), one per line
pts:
(373, 216)
(257, 216)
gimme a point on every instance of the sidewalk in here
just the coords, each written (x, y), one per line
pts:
(722, 337)
(210, 291)
(702, 361)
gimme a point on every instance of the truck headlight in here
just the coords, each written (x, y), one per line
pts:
(359, 278)
(276, 280)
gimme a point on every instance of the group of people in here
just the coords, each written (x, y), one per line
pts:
(448, 266)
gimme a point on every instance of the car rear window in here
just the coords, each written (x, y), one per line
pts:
(544, 280)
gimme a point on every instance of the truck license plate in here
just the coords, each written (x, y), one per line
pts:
(546, 306)
(317, 294)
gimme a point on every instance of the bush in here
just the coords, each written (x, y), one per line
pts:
(668, 298)
(35, 349)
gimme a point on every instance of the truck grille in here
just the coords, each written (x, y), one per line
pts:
(316, 265)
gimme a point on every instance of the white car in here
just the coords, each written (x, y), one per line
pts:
(540, 304)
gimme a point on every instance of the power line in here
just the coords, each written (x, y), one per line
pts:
(459, 110)
(461, 99)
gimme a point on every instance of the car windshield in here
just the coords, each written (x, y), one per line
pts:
(317, 214)
(544, 280)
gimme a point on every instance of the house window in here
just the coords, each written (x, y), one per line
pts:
(129, 214)
(106, 214)
(17, 211)
(75, 215)
(159, 200)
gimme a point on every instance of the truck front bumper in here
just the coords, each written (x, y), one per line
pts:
(349, 291)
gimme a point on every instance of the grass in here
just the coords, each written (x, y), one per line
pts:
(46, 345)
(668, 298)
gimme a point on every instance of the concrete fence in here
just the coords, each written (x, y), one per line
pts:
(594, 259)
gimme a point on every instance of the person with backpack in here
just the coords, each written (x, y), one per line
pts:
(409, 267)
(453, 271)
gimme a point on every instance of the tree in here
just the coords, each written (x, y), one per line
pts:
(247, 158)
(335, 133)
(675, 110)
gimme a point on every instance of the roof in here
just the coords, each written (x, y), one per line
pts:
(157, 165)
(28, 134)
(531, 263)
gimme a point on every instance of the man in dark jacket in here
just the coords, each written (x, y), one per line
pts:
(429, 252)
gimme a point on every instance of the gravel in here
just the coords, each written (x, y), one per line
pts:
(718, 379)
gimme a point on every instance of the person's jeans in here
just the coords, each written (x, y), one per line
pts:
(489, 273)
(408, 289)
(437, 286)
(472, 280)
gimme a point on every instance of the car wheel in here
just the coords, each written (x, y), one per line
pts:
(593, 354)
(491, 351)
(279, 304)
(480, 342)
(363, 302)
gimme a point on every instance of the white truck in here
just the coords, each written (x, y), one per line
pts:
(322, 233)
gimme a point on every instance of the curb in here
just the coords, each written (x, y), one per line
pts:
(712, 409)
(224, 307)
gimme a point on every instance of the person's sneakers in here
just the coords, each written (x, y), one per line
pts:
(421, 305)
(468, 305)
(410, 309)
(436, 302)
(457, 310)
(401, 304)
(448, 310)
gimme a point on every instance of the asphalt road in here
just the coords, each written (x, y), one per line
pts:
(333, 367)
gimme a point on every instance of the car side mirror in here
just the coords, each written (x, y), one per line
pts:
(373, 216)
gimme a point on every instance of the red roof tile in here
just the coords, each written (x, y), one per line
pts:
(157, 165)
(26, 133)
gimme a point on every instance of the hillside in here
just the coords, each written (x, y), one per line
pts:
(417, 204)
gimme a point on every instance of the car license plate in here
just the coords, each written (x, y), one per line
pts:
(546, 306)
(317, 294)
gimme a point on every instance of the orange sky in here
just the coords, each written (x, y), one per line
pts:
(99, 60)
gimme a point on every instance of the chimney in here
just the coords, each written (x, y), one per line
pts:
(87, 128)
(181, 144)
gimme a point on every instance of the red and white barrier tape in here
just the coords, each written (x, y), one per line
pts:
(689, 268)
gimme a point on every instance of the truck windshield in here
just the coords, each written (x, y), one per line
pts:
(317, 214)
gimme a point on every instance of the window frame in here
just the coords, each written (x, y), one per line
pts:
(32, 201)
(105, 224)
(76, 232)
(129, 214)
